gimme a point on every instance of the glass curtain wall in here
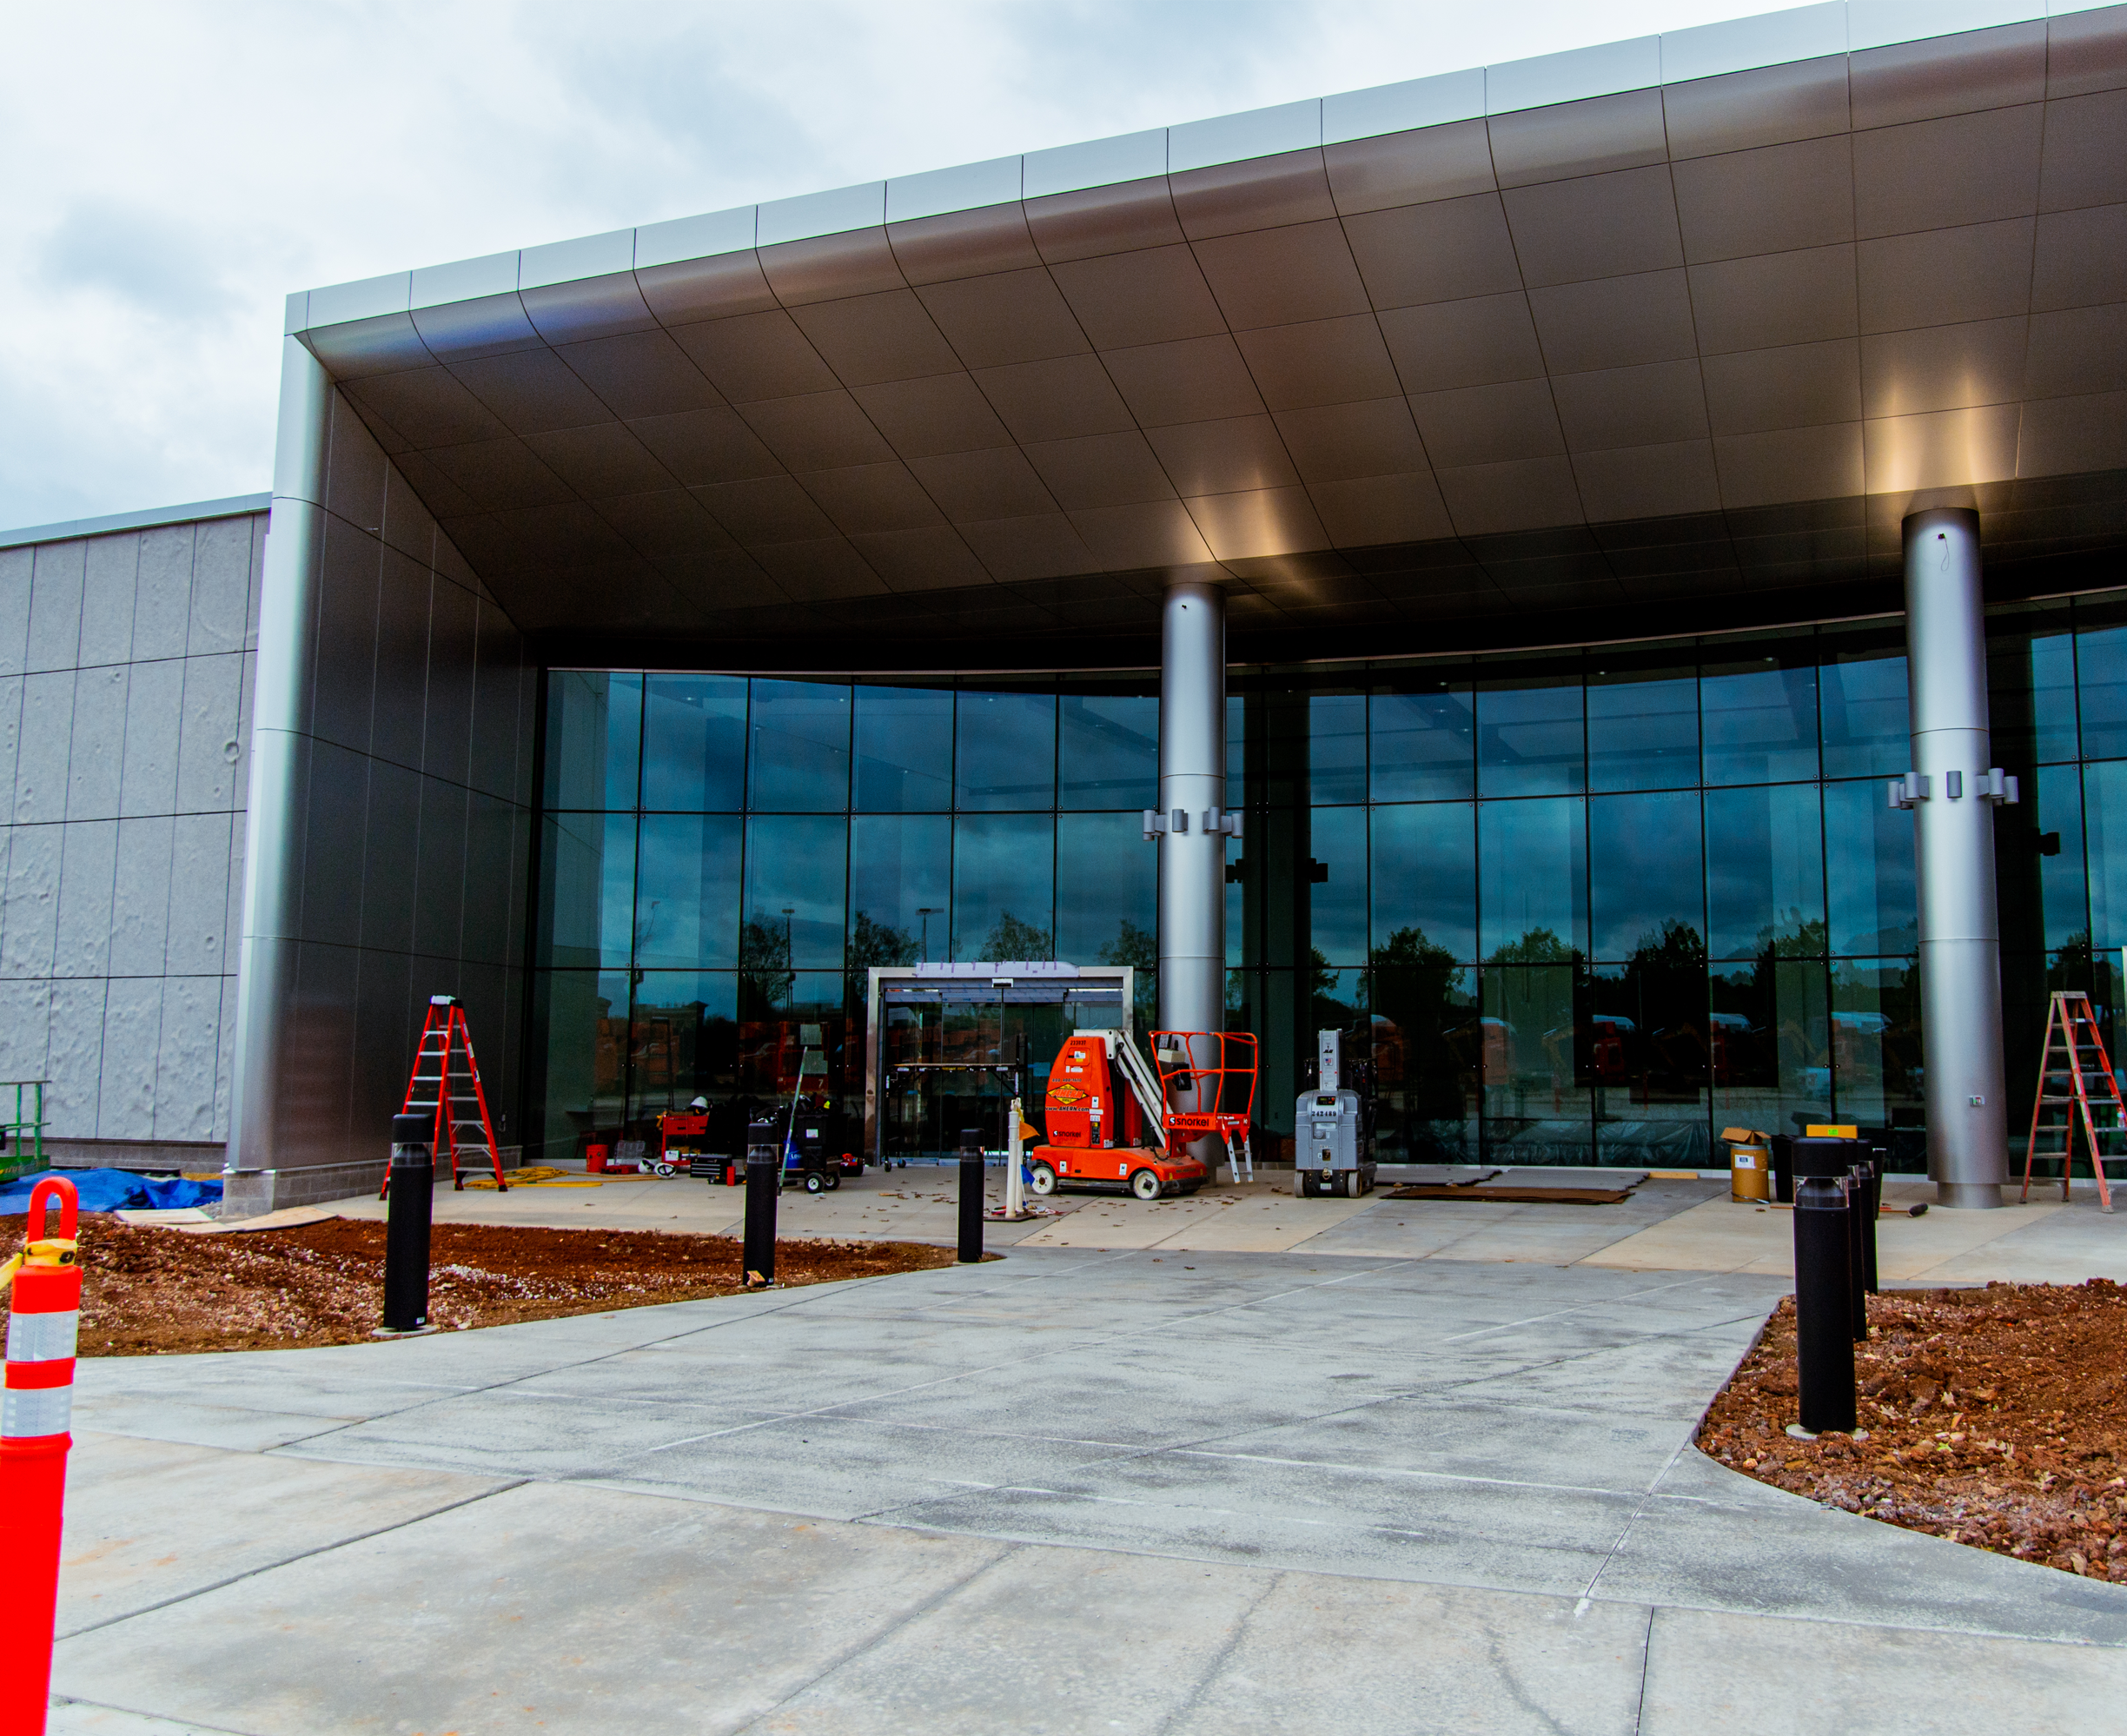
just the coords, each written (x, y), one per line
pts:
(1580, 907)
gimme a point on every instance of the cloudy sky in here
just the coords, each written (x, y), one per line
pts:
(169, 170)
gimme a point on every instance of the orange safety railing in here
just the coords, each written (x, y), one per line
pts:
(1213, 1072)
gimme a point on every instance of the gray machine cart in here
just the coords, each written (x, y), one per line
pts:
(1333, 1153)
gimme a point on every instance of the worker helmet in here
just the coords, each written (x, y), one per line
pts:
(700, 1104)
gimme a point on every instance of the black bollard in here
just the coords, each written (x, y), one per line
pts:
(1823, 1306)
(1857, 1227)
(410, 1192)
(1873, 1168)
(764, 1176)
(970, 1195)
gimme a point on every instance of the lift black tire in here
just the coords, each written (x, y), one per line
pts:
(815, 1182)
(1145, 1184)
(834, 1180)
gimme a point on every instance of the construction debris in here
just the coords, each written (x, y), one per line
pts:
(1994, 1416)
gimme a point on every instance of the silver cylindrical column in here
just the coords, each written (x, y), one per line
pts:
(1953, 848)
(1192, 784)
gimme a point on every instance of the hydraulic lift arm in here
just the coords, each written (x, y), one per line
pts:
(1142, 1085)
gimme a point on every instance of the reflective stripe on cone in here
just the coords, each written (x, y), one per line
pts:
(44, 1324)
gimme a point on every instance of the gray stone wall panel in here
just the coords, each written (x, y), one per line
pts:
(210, 742)
(259, 527)
(221, 586)
(41, 755)
(247, 706)
(232, 921)
(29, 928)
(126, 1072)
(225, 1059)
(55, 606)
(122, 761)
(96, 751)
(88, 876)
(199, 895)
(109, 581)
(140, 898)
(10, 739)
(74, 1057)
(15, 565)
(25, 1030)
(162, 610)
(155, 710)
(186, 1079)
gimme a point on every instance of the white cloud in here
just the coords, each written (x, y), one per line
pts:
(175, 168)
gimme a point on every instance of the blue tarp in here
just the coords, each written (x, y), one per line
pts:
(112, 1191)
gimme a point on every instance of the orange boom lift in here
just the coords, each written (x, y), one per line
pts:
(1109, 1122)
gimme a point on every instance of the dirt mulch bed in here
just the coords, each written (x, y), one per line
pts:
(1996, 1417)
(149, 1292)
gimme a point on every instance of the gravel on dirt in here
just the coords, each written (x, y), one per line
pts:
(148, 1291)
(1994, 1416)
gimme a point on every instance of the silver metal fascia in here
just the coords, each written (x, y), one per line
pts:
(279, 751)
(1953, 849)
(1192, 780)
(1644, 63)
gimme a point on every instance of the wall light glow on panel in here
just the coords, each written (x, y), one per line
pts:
(1948, 449)
(967, 188)
(585, 256)
(702, 238)
(1234, 138)
(1739, 44)
(1100, 162)
(1403, 108)
(831, 213)
(1570, 77)
(337, 303)
(465, 280)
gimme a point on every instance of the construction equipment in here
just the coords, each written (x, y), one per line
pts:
(1213, 1074)
(446, 1082)
(1333, 1149)
(24, 1132)
(681, 1137)
(1109, 1125)
(1750, 1164)
(2067, 1087)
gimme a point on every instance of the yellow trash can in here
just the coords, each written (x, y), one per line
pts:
(1750, 1164)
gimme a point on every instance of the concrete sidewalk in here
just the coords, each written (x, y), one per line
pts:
(1664, 1225)
(1143, 1491)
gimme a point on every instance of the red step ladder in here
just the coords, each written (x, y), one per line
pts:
(2070, 1088)
(447, 1079)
